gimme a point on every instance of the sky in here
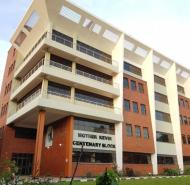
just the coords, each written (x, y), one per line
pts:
(161, 24)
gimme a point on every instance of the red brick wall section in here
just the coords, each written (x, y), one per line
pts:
(185, 129)
(161, 168)
(57, 159)
(10, 144)
(134, 144)
(139, 169)
(92, 169)
(15, 145)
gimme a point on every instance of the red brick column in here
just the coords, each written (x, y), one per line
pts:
(69, 146)
(39, 143)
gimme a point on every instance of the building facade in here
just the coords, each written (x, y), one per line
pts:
(71, 80)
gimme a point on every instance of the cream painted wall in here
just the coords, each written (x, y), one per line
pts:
(118, 55)
(171, 83)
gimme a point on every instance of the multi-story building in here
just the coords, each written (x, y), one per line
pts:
(71, 80)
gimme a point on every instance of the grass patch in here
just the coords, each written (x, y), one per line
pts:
(163, 181)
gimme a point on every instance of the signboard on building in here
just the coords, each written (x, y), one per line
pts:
(93, 140)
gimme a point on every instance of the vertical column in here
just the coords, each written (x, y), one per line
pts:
(69, 146)
(171, 82)
(118, 56)
(148, 76)
(39, 144)
(75, 41)
(44, 88)
(47, 58)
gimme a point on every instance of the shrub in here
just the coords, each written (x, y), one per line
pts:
(187, 171)
(8, 170)
(108, 178)
(171, 172)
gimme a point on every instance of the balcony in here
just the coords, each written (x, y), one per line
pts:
(56, 99)
(53, 69)
(58, 41)
(84, 48)
(29, 99)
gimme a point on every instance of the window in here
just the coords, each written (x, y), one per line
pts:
(89, 50)
(145, 133)
(186, 160)
(1, 132)
(4, 109)
(136, 158)
(186, 104)
(133, 85)
(25, 133)
(185, 120)
(159, 80)
(135, 107)
(129, 130)
(188, 140)
(180, 89)
(126, 83)
(181, 119)
(166, 159)
(181, 103)
(23, 162)
(140, 87)
(161, 98)
(162, 116)
(133, 69)
(93, 74)
(58, 89)
(94, 126)
(189, 120)
(93, 98)
(127, 105)
(164, 137)
(138, 131)
(143, 109)
(62, 38)
(184, 139)
(94, 157)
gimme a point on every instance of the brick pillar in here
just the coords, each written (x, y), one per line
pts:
(69, 146)
(39, 144)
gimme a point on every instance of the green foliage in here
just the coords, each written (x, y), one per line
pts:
(108, 178)
(171, 172)
(8, 170)
(187, 171)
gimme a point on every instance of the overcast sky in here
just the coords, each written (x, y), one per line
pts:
(161, 24)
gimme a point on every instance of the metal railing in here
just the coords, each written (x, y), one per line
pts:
(94, 54)
(94, 77)
(94, 102)
(62, 40)
(33, 70)
(59, 94)
(61, 66)
(29, 99)
(68, 43)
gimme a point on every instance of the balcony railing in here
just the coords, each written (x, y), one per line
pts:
(62, 40)
(61, 94)
(93, 102)
(33, 70)
(61, 66)
(94, 77)
(69, 43)
(93, 53)
(29, 99)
